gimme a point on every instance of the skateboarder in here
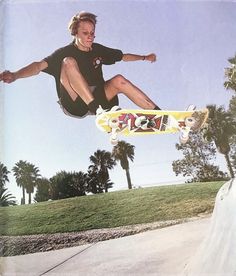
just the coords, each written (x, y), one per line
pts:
(77, 69)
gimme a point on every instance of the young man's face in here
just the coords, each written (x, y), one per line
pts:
(86, 34)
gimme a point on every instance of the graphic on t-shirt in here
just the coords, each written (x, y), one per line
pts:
(97, 62)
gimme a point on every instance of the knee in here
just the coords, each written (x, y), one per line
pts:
(119, 81)
(69, 62)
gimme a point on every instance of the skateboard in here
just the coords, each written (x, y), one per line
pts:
(145, 122)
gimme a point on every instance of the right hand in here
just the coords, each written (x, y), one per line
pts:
(151, 57)
(7, 76)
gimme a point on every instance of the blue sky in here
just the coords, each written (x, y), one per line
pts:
(192, 40)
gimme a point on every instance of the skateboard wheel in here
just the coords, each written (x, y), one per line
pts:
(190, 121)
(113, 123)
(114, 140)
(183, 139)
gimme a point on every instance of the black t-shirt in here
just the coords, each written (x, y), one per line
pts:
(90, 63)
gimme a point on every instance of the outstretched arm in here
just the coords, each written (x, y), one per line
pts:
(133, 57)
(30, 70)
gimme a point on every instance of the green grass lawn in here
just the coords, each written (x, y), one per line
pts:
(110, 210)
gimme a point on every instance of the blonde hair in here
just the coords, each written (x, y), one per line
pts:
(81, 17)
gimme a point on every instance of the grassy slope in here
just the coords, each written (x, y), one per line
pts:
(110, 210)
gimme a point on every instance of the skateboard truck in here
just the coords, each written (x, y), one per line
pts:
(114, 137)
(190, 122)
(114, 125)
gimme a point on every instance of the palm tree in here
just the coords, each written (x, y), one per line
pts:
(221, 127)
(230, 83)
(123, 152)
(31, 177)
(26, 175)
(3, 175)
(230, 74)
(6, 199)
(102, 161)
(18, 171)
(93, 182)
(232, 106)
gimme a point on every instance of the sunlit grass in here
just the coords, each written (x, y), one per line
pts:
(110, 210)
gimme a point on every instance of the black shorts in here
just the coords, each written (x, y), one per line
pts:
(79, 108)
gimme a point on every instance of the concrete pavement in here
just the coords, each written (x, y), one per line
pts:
(159, 252)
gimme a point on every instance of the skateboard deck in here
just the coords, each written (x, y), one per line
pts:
(145, 122)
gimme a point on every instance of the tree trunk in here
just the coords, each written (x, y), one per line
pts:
(128, 178)
(229, 165)
(23, 198)
(29, 198)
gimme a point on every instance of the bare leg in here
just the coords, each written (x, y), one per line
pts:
(119, 84)
(76, 85)
(74, 82)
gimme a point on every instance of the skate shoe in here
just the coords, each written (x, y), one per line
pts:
(100, 110)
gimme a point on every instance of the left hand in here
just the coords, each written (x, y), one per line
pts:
(7, 76)
(151, 57)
